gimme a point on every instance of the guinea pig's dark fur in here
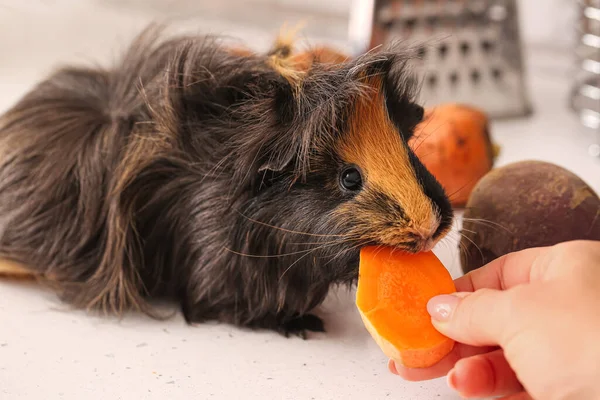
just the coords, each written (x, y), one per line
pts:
(212, 177)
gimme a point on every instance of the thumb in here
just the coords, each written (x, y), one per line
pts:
(480, 318)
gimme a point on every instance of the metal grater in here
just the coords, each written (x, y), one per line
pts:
(586, 92)
(471, 50)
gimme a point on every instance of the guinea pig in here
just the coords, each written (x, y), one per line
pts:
(226, 180)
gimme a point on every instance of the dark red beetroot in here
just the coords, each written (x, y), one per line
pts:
(523, 205)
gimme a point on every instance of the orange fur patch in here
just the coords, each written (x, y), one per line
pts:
(286, 69)
(11, 270)
(293, 66)
(241, 51)
(322, 55)
(282, 50)
(375, 145)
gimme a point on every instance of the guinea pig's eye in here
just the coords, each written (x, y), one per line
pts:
(351, 179)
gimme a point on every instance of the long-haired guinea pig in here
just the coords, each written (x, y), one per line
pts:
(230, 181)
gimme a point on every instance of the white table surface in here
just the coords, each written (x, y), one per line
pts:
(49, 352)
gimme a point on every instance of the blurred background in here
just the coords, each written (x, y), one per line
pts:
(498, 54)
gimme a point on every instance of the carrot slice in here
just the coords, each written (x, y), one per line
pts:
(392, 295)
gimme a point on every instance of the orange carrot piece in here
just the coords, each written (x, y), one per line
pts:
(392, 295)
(455, 145)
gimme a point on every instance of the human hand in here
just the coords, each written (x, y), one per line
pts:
(527, 324)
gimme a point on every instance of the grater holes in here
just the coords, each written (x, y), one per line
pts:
(465, 48)
(453, 78)
(487, 45)
(443, 49)
(410, 23)
(472, 55)
(497, 73)
(388, 25)
(432, 80)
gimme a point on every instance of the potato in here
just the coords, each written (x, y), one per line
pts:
(523, 205)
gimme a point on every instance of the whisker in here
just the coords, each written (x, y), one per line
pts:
(340, 241)
(344, 251)
(298, 260)
(430, 119)
(446, 242)
(289, 230)
(468, 230)
(379, 248)
(490, 223)
(451, 196)
(267, 256)
(447, 239)
(462, 249)
(477, 247)
(421, 141)
(215, 168)
(360, 242)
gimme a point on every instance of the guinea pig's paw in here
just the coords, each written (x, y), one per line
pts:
(300, 325)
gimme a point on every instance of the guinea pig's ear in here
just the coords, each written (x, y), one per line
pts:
(277, 163)
(282, 146)
(285, 102)
(400, 89)
(405, 117)
(391, 69)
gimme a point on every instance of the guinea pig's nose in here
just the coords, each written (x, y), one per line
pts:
(427, 244)
(424, 240)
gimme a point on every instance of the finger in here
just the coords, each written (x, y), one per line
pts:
(518, 396)
(481, 318)
(502, 273)
(484, 375)
(441, 368)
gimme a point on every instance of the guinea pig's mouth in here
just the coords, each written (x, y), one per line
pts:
(412, 246)
(421, 240)
(418, 246)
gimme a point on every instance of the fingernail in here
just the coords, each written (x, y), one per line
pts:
(441, 307)
(451, 379)
(392, 367)
(455, 381)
